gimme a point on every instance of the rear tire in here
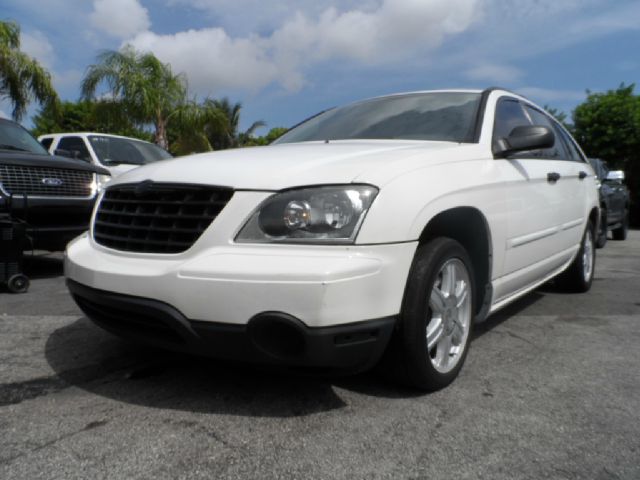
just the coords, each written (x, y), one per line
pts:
(429, 348)
(579, 276)
(620, 233)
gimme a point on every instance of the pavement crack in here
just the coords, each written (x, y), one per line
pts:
(519, 337)
(89, 426)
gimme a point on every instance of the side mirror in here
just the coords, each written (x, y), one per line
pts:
(75, 154)
(63, 153)
(616, 176)
(523, 138)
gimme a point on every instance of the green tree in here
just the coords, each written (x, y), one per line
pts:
(194, 124)
(229, 136)
(607, 126)
(22, 79)
(147, 90)
(86, 116)
(559, 115)
(273, 135)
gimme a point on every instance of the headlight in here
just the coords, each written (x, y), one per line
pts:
(99, 182)
(310, 215)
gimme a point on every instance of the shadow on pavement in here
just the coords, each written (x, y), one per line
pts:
(83, 355)
(43, 265)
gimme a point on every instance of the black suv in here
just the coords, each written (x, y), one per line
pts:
(52, 196)
(614, 202)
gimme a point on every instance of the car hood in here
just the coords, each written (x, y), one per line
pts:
(52, 161)
(117, 170)
(310, 163)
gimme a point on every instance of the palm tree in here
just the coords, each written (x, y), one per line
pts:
(145, 88)
(193, 125)
(22, 79)
(229, 136)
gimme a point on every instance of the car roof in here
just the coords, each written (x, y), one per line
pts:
(86, 134)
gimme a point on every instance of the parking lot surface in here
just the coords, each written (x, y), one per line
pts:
(551, 389)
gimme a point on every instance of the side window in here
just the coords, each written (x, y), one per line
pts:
(558, 151)
(509, 115)
(574, 153)
(46, 142)
(76, 146)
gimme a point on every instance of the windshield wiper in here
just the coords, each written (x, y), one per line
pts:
(6, 146)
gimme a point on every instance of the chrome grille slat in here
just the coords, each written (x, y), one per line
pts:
(19, 179)
(159, 218)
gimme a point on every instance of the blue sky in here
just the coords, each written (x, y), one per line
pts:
(286, 60)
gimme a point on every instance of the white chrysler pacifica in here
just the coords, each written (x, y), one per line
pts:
(382, 230)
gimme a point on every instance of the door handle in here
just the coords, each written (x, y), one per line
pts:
(553, 177)
(582, 175)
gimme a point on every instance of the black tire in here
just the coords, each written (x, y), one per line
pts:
(18, 283)
(408, 360)
(579, 276)
(601, 240)
(620, 233)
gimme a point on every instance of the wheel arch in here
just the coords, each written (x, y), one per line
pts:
(468, 226)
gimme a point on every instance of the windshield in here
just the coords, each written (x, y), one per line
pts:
(14, 137)
(440, 116)
(114, 150)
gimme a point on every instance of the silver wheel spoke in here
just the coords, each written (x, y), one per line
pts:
(458, 333)
(435, 330)
(437, 301)
(449, 279)
(444, 351)
(461, 295)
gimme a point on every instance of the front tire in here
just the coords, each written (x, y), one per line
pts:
(431, 343)
(579, 276)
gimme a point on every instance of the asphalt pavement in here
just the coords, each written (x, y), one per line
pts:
(550, 389)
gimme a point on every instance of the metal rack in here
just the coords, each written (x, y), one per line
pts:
(12, 244)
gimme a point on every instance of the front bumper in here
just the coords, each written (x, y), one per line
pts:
(268, 338)
(239, 301)
(320, 285)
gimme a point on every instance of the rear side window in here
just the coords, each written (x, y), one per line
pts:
(76, 146)
(574, 153)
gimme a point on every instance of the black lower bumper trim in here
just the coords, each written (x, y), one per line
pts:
(268, 338)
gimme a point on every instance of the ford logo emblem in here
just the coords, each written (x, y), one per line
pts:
(52, 182)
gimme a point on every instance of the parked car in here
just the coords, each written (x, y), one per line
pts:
(380, 230)
(53, 196)
(115, 153)
(614, 202)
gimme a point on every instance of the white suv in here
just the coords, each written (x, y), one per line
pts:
(379, 230)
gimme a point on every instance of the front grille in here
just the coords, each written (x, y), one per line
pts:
(46, 181)
(157, 217)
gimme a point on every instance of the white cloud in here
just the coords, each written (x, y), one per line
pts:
(37, 45)
(120, 18)
(499, 74)
(384, 32)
